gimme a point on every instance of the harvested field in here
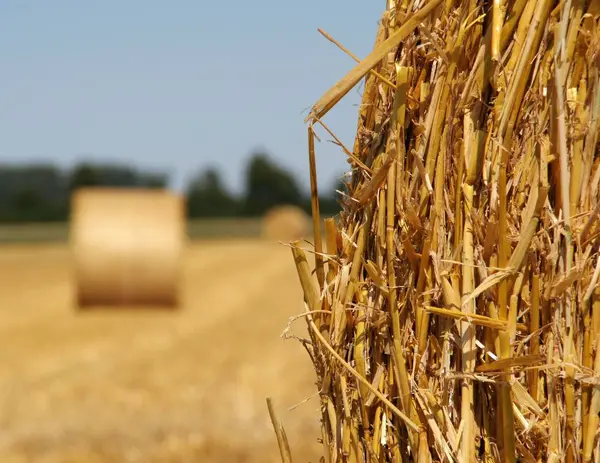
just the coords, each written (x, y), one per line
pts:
(148, 386)
(196, 229)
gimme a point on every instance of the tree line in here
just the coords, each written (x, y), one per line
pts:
(41, 192)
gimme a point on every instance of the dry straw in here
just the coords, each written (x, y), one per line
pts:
(455, 313)
(127, 246)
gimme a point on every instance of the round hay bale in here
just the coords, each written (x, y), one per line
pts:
(127, 246)
(285, 223)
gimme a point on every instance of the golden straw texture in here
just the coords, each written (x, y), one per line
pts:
(127, 246)
(459, 319)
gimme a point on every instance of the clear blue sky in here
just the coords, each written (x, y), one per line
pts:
(177, 85)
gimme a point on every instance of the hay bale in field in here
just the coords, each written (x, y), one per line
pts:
(285, 223)
(461, 319)
(127, 246)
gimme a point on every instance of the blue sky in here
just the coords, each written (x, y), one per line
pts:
(177, 85)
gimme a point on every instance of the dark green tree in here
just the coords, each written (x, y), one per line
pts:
(330, 203)
(29, 206)
(83, 175)
(267, 185)
(208, 197)
(115, 175)
(151, 180)
(329, 200)
(32, 193)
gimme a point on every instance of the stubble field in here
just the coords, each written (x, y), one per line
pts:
(154, 386)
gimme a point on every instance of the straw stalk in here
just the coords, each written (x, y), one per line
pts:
(456, 311)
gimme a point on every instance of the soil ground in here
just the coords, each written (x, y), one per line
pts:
(135, 385)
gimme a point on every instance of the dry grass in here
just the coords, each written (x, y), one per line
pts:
(153, 386)
(455, 313)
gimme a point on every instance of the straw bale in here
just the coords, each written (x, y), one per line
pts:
(285, 223)
(127, 246)
(456, 313)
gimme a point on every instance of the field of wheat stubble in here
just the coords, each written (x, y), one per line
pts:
(135, 385)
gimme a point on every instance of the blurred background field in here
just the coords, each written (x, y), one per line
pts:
(132, 384)
(201, 229)
(153, 386)
(227, 228)
(149, 94)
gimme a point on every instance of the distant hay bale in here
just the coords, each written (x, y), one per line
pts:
(285, 223)
(127, 246)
